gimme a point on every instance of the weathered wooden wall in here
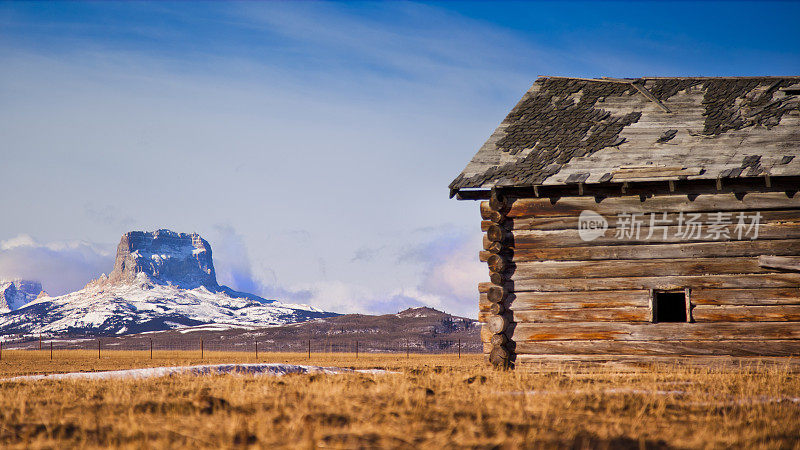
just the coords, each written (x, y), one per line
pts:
(552, 293)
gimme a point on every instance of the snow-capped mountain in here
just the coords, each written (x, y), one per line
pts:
(15, 293)
(161, 280)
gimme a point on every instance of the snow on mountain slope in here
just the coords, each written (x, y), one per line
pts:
(137, 307)
(161, 280)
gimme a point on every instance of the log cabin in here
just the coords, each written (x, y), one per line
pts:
(633, 219)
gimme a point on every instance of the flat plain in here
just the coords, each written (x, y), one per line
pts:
(431, 401)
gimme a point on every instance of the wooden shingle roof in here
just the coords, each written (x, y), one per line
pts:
(574, 130)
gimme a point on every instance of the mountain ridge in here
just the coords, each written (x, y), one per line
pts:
(160, 280)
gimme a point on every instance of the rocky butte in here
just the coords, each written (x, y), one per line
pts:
(161, 280)
(178, 259)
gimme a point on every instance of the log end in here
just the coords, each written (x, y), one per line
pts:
(496, 294)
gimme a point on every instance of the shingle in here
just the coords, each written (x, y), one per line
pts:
(559, 128)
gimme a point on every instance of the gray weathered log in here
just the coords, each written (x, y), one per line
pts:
(496, 309)
(572, 206)
(571, 222)
(499, 356)
(571, 238)
(780, 262)
(600, 331)
(789, 247)
(497, 278)
(636, 268)
(497, 324)
(746, 297)
(497, 294)
(731, 347)
(499, 339)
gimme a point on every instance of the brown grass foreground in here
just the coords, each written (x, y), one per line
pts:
(436, 401)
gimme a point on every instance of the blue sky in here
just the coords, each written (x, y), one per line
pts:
(310, 143)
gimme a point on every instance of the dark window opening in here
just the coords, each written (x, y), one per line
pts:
(670, 307)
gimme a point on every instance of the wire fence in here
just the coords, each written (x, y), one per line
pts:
(208, 344)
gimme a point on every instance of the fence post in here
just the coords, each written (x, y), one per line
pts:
(40, 340)
(51, 350)
(151, 348)
(459, 349)
(1, 350)
(356, 349)
(98, 349)
(309, 349)
(256, 349)
(201, 349)
(406, 348)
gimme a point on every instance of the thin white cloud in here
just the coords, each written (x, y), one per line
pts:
(61, 267)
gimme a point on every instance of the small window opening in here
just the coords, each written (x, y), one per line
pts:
(670, 307)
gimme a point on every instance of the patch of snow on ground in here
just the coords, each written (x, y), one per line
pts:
(208, 369)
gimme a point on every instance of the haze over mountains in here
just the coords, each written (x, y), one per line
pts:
(160, 280)
(16, 293)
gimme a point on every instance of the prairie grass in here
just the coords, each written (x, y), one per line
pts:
(435, 401)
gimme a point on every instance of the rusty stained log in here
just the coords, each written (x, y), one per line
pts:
(572, 206)
(731, 347)
(601, 331)
(495, 247)
(654, 251)
(486, 335)
(738, 281)
(781, 313)
(634, 268)
(497, 233)
(497, 263)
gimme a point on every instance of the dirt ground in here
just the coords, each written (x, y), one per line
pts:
(433, 401)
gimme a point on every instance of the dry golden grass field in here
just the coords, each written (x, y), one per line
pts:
(435, 401)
